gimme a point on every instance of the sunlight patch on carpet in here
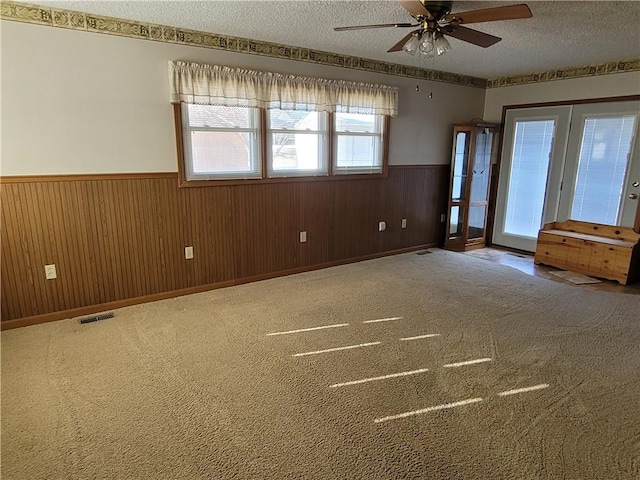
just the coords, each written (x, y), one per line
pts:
(575, 278)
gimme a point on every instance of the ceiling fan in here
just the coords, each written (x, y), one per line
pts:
(435, 20)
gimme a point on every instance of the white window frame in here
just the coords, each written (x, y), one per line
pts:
(255, 154)
(379, 133)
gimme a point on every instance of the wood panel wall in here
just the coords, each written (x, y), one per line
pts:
(121, 238)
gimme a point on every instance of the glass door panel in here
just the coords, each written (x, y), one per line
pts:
(603, 162)
(460, 165)
(528, 179)
(481, 166)
(456, 222)
(602, 165)
(477, 215)
(530, 174)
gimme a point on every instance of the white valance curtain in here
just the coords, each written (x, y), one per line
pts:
(216, 85)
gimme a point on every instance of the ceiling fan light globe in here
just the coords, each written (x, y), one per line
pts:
(441, 45)
(411, 46)
(426, 45)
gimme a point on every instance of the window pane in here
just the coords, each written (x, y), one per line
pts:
(352, 122)
(359, 151)
(222, 152)
(606, 143)
(294, 120)
(297, 151)
(220, 117)
(528, 177)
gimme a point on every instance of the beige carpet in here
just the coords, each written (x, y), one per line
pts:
(194, 388)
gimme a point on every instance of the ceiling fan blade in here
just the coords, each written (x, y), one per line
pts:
(398, 46)
(381, 25)
(472, 36)
(415, 8)
(510, 12)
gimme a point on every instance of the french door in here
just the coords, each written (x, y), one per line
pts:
(579, 162)
(533, 153)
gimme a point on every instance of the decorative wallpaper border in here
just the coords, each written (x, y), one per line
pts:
(54, 17)
(577, 72)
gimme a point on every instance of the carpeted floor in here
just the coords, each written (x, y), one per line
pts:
(194, 387)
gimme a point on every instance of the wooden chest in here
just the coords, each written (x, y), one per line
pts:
(603, 251)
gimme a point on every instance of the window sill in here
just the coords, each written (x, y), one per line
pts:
(260, 181)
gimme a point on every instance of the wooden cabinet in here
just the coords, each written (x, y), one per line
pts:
(473, 154)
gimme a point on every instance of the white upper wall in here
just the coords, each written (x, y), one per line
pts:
(619, 84)
(75, 102)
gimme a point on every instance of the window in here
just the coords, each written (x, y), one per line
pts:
(296, 143)
(238, 124)
(358, 143)
(221, 142)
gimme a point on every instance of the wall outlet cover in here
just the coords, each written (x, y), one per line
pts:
(188, 253)
(50, 272)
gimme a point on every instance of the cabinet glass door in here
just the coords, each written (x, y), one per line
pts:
(480, 174)
(460, 166)
(456, 222)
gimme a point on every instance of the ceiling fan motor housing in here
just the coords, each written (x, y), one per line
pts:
(438, 9)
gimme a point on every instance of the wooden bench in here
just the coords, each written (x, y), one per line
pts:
(603, 251)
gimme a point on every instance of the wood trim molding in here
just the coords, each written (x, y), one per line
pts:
(177, 122)
(85, 177)
(582, 101)
(88, 310)
(426, 167)
(96, 177)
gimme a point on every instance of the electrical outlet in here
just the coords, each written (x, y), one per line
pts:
(404, 223)
(443, 217)
(303, 237)
(382, 226)
(188, 253)
(50, 272)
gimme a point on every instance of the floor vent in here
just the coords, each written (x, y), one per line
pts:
(95, 318)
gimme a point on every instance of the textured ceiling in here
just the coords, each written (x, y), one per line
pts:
(561, 34)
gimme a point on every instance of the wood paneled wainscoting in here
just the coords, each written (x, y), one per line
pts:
(118, 240)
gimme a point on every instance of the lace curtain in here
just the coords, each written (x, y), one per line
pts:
(216, 85)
